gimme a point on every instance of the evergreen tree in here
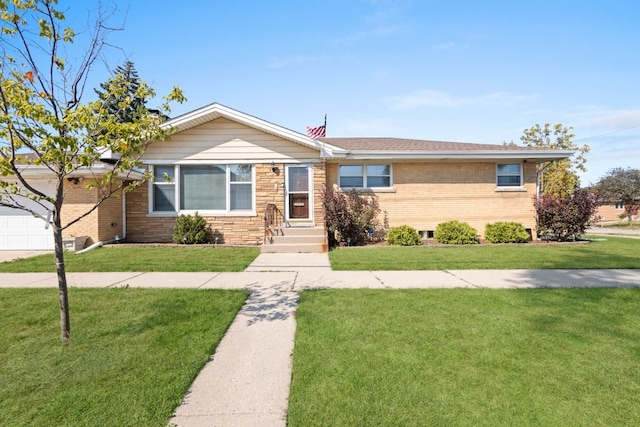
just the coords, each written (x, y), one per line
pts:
(127, 106)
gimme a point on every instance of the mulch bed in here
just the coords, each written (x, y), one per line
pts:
(432, 242)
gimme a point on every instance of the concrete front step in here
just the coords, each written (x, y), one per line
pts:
(299, 231)
(296, 239)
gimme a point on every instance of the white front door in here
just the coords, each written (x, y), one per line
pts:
(299, 185)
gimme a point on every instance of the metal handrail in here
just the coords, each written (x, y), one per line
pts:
(273, 218)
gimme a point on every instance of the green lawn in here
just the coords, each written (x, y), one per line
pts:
(467, 358)
(609, 252)
(142, 258)
(132, 357)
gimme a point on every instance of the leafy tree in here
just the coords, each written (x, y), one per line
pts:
(44, 123)
(135, 104)
(559, 177)
(620, 185)
(564, 218)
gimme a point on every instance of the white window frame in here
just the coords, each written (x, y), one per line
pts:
(157, 184)
(365, 176)
(204, 212)
(520, 176)
(619, 206)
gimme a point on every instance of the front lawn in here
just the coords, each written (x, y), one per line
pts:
(132, 357)
(609, 252)
(142, 258)
(467, 357)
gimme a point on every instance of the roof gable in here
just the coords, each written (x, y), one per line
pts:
(215, 111)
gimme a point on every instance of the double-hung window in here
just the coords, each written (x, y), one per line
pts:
(213, 188)
(365, 176)
(164, 189)
(509, 175)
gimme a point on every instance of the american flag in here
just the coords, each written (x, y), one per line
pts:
(317, 132)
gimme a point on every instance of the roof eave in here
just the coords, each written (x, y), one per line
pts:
(98, 169)
(538, 156)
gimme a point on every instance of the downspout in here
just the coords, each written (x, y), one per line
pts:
(539, 176)
(96, 245)
(124, 214)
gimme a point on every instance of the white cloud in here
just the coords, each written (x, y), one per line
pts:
(376, 33)
(293, 60)
(449, 46)
(613, 119)
(437, 98)
(370, 126)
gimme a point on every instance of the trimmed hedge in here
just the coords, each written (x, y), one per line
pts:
(506, 232)
(456, 233)
(403, 235)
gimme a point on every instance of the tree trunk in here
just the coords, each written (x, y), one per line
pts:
(65, 326)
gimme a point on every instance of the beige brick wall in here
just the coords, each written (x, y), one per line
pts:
(426, 194)
(102, 224)
(610, 213)
(232, 230)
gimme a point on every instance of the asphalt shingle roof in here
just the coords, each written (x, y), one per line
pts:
(401, 144)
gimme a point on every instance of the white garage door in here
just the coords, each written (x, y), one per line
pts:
(20, 230)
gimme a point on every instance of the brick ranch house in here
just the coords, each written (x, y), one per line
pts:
(237, 170)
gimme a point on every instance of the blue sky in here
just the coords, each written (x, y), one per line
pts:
(469, 71)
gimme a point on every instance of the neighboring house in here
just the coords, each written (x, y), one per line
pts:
(235, 169)
(613, 212)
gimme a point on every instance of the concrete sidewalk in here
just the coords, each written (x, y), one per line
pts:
(317, 278)
(246, 382)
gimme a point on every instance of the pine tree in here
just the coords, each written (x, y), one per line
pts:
(127, 77)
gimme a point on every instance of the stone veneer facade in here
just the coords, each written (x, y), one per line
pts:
(232, 230)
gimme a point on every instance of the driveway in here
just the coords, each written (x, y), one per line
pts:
(11, 255)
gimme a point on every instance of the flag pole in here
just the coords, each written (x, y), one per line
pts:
(324, 147)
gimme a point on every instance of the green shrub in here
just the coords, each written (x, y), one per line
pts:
(455, 233)
(506, 232)
(403, 235)
(190, 229)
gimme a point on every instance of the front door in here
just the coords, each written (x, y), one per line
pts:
(298, 192)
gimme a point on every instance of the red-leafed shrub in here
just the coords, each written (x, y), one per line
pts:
(351, 217)
(564, 218)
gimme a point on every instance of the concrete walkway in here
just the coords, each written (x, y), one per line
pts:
(246, 383)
